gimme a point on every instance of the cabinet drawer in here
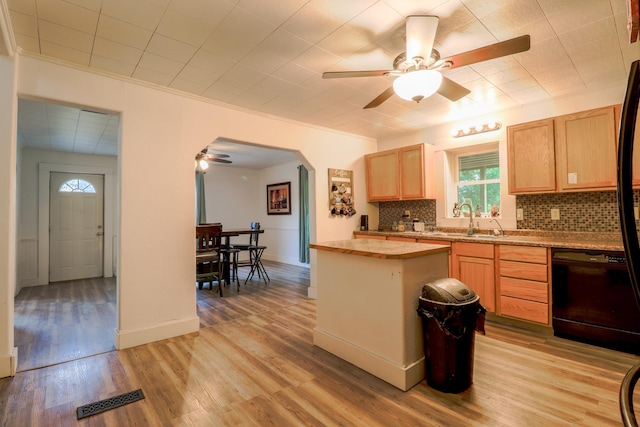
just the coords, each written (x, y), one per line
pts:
(523, 270)
(401, 239)
(523, 309)
(367, 236)
(435, 242)
(524, 289)
(531, 254)
(480, 250)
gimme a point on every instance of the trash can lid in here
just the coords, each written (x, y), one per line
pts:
(448, 290)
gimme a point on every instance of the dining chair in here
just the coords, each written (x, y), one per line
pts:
(254, 251)
(209, 257)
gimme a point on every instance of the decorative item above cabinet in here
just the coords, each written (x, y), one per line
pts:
(573, 152)
(400, 174)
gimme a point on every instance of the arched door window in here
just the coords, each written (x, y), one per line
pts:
(76, 186)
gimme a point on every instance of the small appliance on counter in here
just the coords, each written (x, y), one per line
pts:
(364, 222)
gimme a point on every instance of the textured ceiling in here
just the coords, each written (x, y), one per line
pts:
(269, 56)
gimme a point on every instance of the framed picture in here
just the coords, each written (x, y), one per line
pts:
(279, 199)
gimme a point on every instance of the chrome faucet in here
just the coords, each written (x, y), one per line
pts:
(470, 229)
(501, 229)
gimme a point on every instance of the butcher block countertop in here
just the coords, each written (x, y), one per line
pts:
(384, 249)
(550, 239)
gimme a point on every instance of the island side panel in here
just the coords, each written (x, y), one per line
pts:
(369, 304)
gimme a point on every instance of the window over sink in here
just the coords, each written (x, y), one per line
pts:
(477, 181)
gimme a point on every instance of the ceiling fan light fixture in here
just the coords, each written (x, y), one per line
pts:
(202, 163)
(417, 85)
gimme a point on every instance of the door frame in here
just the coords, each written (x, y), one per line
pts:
(44, 175)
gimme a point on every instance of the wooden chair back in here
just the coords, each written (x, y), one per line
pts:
(208, 237)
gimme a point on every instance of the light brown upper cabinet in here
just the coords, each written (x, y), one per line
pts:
(573, 152)
(586, 150)
(531, 151)
(400, 174)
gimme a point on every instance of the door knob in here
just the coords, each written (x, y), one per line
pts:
(99, 233)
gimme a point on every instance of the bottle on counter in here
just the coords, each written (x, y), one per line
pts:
(401, 226)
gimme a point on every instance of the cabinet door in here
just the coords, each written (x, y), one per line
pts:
(531, 157)
(478, 274)
(383, 180)
(586, 150)
(412, 172)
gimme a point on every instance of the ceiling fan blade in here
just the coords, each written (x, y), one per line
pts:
(496, 50)
(218, 160)
(218, 155)
(452, 90)
(420, 34)
(343, 74)
(380, 98)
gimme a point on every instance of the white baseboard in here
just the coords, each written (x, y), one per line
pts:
(402, 377)
(9, 364)
(127, 339)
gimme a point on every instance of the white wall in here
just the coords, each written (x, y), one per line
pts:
(156, 291)
(8, 207)
(231, 195)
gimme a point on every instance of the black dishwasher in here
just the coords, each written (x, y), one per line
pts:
(593, 301)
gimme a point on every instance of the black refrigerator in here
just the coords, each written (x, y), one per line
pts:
(627, 219)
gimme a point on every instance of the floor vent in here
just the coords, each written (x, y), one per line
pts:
(110, 403)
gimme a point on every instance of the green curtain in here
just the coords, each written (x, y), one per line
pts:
(201, 208)
(303, 181)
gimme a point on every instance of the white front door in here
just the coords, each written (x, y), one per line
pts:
(75, 226)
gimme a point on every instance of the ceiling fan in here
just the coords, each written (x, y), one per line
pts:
(203, 157)
(417, 70)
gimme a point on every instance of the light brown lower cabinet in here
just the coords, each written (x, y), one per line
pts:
(367, 236)
(523, 274)
(473, 265)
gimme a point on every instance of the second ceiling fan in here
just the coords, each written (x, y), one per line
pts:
(417, 70)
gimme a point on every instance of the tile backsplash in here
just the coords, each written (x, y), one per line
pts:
(594, 211)
(424, 210)
(588, 211)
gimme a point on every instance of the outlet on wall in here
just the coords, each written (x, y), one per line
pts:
(407, 213)
(555, 214)
(519, 214)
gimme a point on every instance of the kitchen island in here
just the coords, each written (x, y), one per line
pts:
(367, 299)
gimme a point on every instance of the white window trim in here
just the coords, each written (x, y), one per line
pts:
(446, 188)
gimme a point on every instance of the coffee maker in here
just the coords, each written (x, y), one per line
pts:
(364, 222)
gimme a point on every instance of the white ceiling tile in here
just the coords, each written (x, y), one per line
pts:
(184, 29)
(208, 61)
(29, 44)
(94, 5)
(210, 13)
(345, 41)
(269, 12)
(24, 24)
(65, 36)
(152, 76)
(295, 73)
(197, 75)
(266, 61)
(342, 11)
(311, 24)
(116, 51)
(65, 53)
(169, 48)
(28, 7)
(317, 59)
(567, 15)
(68, 15)
(414, 7)
(377, 20)
(123, 32)
(142, 13)
(283, 44)
(112, 66)
(161, 64)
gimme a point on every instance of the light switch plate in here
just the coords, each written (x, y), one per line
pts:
(555, 214)
(519, 214)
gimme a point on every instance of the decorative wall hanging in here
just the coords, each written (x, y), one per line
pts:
(279, 199)
(341, 193)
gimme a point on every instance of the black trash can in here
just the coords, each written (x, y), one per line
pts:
(451, 313)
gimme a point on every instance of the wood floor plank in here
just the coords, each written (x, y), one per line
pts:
(253, 363)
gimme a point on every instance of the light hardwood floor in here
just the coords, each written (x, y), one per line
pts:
(253, 363)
